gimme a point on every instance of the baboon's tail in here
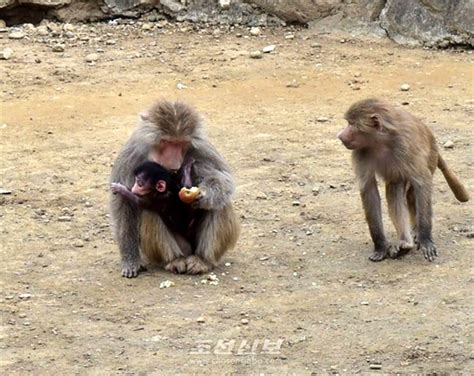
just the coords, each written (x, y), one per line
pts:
(453, 182)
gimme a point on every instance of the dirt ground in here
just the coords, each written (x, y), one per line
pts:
(298, 295)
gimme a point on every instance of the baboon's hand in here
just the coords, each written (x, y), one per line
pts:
(380, 253)
(196, 265)
(429, 249)
(201, 201)
(401, 250)
(130, 269)
(117, 188)
(177, 266)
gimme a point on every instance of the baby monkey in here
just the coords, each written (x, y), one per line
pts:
(156, 189)
(153, 189)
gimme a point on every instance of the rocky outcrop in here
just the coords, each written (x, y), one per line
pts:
(363, 10)
(411, 22)
(302, 11)
(429, 22)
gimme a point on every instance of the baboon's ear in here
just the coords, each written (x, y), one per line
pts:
(161, 186)
(376, 121)
(144, 116)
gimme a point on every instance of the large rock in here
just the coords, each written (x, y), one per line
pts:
(411, 22)
(79, 11)
(130, 8)
(300, 10)
(43, 3)
(6, 3)
(363, 10)
(429, 22)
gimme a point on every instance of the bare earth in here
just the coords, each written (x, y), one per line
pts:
(298, 295)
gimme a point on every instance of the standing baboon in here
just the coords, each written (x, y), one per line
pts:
(172, 135)
(394, 144)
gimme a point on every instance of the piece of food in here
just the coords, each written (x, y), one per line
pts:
(188, 195)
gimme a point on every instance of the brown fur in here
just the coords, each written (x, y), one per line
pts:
(395, 145)
(219, 229)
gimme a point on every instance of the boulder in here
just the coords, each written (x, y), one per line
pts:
(127, 8)
(302, 11)
(364, 10)
(79, 11)
(429, 22)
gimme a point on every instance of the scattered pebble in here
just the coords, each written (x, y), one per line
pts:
(78, 244)
(91, 58)
(181, 86)
(296, 203)
(269, 48)
(4, 191)
(201, 320)
(166, 284)
(224, 4)
(293, 84)
(405, 87)
(256, 55)
(227, 264)
(16, 35)
(65, 218)
(364, 303)
(290, 36)
(6, 54)
(244, 321)
(255, 31)
(58, 48)
(69, 27)
(261, 196)
(322, 119)
(42, 30)
(211, 279)
(161, 24)
(448, 144)
(316, 45)
(25, 296)
(375, 366)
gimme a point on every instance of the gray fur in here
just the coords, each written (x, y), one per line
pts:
(219, 230)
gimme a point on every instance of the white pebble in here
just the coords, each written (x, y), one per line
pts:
(6, 54)
(255, 31)
(91, 58)
(405, 87)
(448, 144)
(166, 284)
(269, 48)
